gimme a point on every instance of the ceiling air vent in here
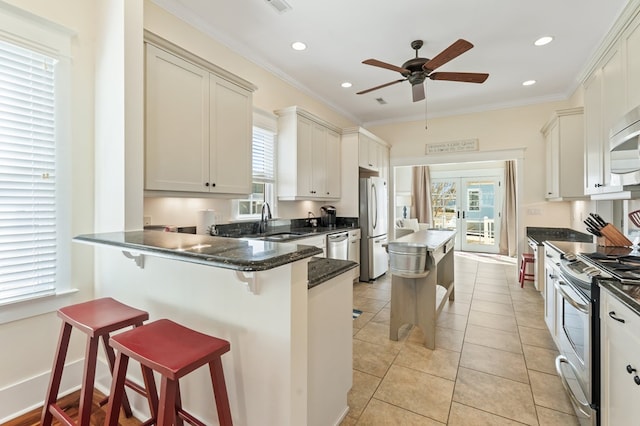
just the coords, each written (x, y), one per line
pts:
(280, 5)
(381, 101)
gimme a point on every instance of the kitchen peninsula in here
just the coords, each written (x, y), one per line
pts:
(287, 315)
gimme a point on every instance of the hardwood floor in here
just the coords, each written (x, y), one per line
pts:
(71, 404)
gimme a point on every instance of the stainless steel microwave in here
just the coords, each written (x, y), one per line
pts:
(624, 149)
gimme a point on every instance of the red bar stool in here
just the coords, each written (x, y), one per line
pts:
(96, 318)
(173, 351)
(524, 276)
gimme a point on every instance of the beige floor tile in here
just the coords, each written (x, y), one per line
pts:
(446, 338)
(500, 322)
(457, 307)
(494, 361)
(493, 288)
(548, 392)
(540, 359)
(419, 392)
(450, 320)
(384, 316)
(363, 388)
(379, 293)
(378, 333)
(372, 359)
(503, 397)
(492, 307)
(536, 337)
(362, 320)
(534, 307)
(380, 413)
(531, 319)
(548, 417)
(462, 415)
(492, 297)
(463, 296)
(366, 304)
(493, 338)
(349, 421)
(438, 362)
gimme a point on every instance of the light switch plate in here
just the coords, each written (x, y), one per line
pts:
(146, 220)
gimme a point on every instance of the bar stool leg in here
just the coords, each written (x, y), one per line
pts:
(167, 415)
(111, 357)
(220, 392)
(117, 390)
(86, 393)
(152, 391)
(56, 374)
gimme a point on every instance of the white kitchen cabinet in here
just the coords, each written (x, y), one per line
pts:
(551, 262)
(564, 139)
(369, 153)
(594, 146)
(632, 60)
(309, 157)
(198, 127)
(620, 364)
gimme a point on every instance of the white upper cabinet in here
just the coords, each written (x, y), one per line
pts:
(564, 139)
(631, 41)
(198, 130)
(309, 157)
(594, 148)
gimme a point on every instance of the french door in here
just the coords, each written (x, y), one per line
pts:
(472, 206)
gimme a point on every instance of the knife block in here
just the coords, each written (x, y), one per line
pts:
(611, 237)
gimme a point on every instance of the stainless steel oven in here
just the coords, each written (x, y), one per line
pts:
(574, 318)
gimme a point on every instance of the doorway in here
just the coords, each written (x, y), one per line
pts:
(470, 205)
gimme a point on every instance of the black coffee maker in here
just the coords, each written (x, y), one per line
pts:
(327, 216)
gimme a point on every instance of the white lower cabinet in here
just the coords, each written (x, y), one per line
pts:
(552, 258)
(620, 366)
(319, 241)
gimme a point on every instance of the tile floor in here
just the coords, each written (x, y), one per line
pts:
(493, 363)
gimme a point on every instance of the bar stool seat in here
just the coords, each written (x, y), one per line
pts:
(527, 258)
(97, 319)
(173, 351)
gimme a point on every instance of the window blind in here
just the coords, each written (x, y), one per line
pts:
(27, 173)
(263, 156)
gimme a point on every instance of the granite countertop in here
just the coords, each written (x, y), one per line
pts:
(625, 293)
(542, 234)
(322, 269)
(229, 253)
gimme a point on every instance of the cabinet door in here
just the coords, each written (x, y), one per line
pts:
(318, 160)
(231, 138)
(620, 353)
(552, 141)
(333, 165)
(304, 142)
(363, 152)
(613, 103)
(177, 123)
(550, 277)
(593, 150)
(633, 65)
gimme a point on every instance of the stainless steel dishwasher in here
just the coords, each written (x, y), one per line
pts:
(338, 245)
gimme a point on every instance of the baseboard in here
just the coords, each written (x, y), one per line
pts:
(23, 397)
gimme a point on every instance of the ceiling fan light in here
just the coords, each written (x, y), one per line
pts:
(298, 45)
(529, 83)
(543, 40)
(346, 85)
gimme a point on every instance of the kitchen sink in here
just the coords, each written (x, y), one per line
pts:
(282, 236)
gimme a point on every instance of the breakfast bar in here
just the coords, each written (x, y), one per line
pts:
(421, 264)
(286, 313)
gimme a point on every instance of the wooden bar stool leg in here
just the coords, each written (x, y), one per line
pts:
(56, 374)
(111, 357)
(167, 414)
(152, 391)
(117, 390)
(86, 393)
(220, 392)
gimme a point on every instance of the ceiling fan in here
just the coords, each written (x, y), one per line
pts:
(418, 69)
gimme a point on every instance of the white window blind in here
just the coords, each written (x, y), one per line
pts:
(28, 220)
(263, 155)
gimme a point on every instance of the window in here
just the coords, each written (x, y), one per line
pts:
(473, 199)
(263, 166)
(35, 179)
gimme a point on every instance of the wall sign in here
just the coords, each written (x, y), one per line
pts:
(452, 146)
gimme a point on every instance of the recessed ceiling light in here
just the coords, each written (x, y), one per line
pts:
(543, 40)
(346, 85)
(529, 83)
(298, 45)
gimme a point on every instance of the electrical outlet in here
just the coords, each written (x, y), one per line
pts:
(147, 220)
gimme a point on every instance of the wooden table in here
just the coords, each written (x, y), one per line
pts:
(414, 295)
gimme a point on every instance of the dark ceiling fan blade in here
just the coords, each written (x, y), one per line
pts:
(418, 92)
(381, 86)
(377, 63)
(466, 77)
(451, 52)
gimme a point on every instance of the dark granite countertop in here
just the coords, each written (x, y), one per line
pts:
(322, 269)
(542, 234)
(229, 253)
(629, 295)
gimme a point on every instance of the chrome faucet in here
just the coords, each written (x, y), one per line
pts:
(265, 215)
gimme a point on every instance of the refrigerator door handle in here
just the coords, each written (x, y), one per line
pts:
(374, 199)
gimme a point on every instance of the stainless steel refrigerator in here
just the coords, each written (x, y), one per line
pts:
(374, 260)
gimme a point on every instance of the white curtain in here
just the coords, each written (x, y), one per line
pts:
(508, 234)
(421, 192)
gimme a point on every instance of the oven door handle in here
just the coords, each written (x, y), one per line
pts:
(583, 407)
(579, 306)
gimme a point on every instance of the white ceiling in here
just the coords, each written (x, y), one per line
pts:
(340, 34)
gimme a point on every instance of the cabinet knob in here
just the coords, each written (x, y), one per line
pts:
(612, 314)
(637, 380)
(630, 369)
(206, 184)
(213, 184)
(598, 185)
